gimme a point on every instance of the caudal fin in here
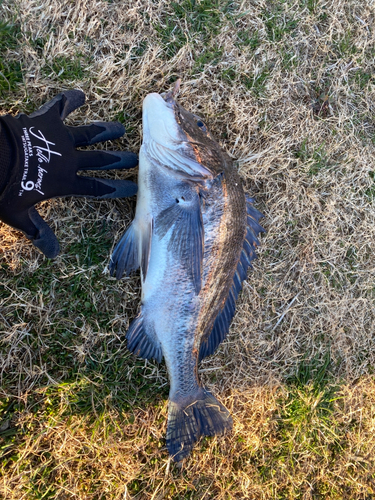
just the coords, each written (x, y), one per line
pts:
(191, 418)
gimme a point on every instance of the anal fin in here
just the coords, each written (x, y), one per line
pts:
(141, 342)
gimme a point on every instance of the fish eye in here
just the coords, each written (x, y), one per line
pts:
(200, 124)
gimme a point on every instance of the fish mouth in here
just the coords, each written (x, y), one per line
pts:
(170, 97)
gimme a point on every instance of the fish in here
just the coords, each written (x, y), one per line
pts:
(193, 237)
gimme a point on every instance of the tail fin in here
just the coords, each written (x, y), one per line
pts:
(190, 418)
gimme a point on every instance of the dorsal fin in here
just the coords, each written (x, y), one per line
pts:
(225, 316)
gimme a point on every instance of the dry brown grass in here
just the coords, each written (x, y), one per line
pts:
(294, 104)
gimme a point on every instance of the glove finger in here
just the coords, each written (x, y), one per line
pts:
(103, 188)
(123, 189)
(45, 238)
(36, 229)
(67, 101)
(105, 160)
(96, 132)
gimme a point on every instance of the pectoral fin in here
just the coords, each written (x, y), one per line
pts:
(132, 251)
(186, 239)
(125, 258)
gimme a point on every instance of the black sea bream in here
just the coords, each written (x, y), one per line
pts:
(193, 236)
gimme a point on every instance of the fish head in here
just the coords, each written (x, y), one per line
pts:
(179, 140)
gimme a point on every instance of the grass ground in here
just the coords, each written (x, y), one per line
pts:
(288, 88)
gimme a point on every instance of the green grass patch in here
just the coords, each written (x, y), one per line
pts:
(277, 24)
(256, 83)
(75, 292)
(191, 21)
(311, 5)
(68, 69)
(9, 36)
(139, 49)
(10, 66)
(306, 429)
(308, 408)
(344, 46)
(209, 57)
(172, 37)
(362, 78)
(229, 74)
(203, 16)
(248, 39)
(313, 371)
(370, 192)
(100, 386)
(38, 44)
(316, 159)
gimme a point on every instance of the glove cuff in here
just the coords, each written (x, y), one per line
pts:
(6, 157)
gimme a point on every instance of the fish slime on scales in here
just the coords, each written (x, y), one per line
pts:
(193, 237)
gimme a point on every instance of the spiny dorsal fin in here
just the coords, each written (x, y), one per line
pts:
(225, 316)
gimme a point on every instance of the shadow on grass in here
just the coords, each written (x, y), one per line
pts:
(123, 399)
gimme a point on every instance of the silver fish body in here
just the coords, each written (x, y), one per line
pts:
(193, 236)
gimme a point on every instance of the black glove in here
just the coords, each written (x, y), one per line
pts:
(38, 161)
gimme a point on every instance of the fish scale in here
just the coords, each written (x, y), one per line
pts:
(193, 236)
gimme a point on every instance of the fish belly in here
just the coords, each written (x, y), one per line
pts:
(170, 308)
